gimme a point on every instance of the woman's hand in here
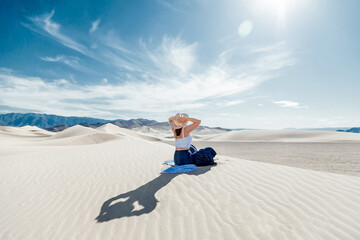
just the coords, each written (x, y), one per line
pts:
(181, 119)
(171, 119)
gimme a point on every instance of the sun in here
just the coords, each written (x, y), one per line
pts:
(278, 9)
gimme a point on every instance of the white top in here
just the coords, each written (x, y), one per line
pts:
(183, 142)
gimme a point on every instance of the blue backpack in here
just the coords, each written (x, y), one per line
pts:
(204, 157)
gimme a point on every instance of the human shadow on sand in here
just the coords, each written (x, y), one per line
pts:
(123, 204)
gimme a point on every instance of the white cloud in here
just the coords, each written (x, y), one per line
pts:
(6, 70)
(45, 24)
(286, 104)
(62, 82)
(111, 40)
(275, 61)
(73, 62)
(168, 5)
(289, 104)
(229, 103)
(59, 96)
(178, 53)
(173, 65)
(164, 78)
(172, 55)
(269, 47)
(228, 38)
(94, 25)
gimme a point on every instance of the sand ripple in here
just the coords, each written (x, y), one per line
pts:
(113, 190)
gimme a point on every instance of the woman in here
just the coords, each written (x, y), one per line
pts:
(186, 153)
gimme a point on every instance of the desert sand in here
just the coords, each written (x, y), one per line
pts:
(335, 157)
(285, 136)
(105, 183)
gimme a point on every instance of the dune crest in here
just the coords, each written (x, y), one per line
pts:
(29, 131)
(76, 130)
(113, 129)
(285, 136)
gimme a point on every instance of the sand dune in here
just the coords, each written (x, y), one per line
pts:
(86, 139)
(111, 128)
(26, 131)
(285, 136)
(76, 130)
(77, 135)
(32, 128)
(113, 190)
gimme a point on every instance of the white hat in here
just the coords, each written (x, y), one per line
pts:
(179, 124)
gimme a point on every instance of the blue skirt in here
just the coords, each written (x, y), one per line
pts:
(182, 157)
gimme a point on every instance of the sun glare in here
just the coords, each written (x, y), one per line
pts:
(279, 9)
(245, 28)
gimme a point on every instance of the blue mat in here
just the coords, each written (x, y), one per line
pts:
(178, 169)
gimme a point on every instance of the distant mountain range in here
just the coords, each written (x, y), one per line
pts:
(320, 129)
(338, 129)
(44, 120)
(132, 123)
(353, 130)
(57, 123)
(331, 129)
(240, 129)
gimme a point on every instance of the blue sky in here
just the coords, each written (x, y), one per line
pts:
(268, 64)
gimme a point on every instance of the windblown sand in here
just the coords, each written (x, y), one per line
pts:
(335, 152)
(338, 157)
(106, 184)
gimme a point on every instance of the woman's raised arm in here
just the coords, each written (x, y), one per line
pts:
(195, 124)
(171, 121)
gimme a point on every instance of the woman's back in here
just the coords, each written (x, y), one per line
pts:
(182, 131)
(183, 142)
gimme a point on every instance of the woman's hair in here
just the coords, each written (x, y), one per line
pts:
(178, 131)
